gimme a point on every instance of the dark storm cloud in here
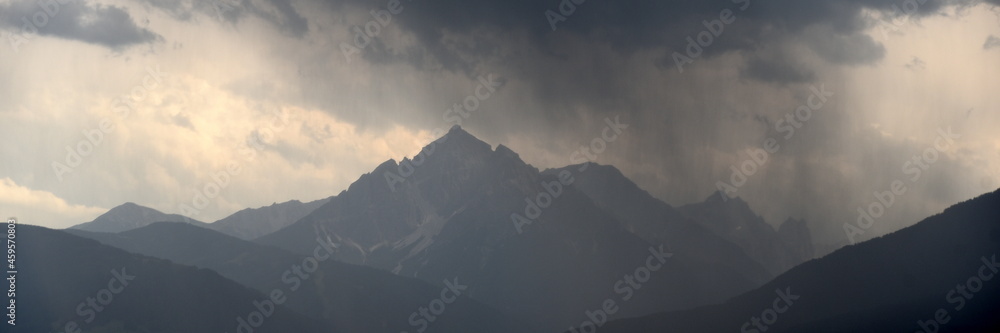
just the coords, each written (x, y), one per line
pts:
(777, 68)
(106, 25)
(585, 71)
(281, 13)
(608, 59)
(286, 17)
(629, 26)
(850, 49)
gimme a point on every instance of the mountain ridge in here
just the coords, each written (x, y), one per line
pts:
(378, 300)
(451, 215)
(130, 215)
(890, 283)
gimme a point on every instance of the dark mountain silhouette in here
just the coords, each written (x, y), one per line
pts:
(895, 283)
(129, 216)
(251, 223)
(798, 239)
(348, 297)
(733, 220)
(69, 280)
(248, 223)
(448, 213)
(657, 222)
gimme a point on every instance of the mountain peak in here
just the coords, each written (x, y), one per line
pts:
(735, 206)
(456, 142)
(719, 197)
(457, 128)
(457, 134)
(129, 208)
(792, 222)
(129, 216)
(796, 233)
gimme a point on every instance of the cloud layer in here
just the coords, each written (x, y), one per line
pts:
(106, 25)
(898, 71)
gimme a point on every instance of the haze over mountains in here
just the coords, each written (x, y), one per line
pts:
(79, 284)
(453, 217)
(346, 297)
(492, 166)
(248, 223)
(129, 216)
(732, 219)
(532, 251)
(939, 275)
(251, 223)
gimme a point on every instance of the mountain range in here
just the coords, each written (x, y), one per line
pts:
(544, 251)
(69, 283)
(347, 297)
(456, 214)
(246, 224)
(934, 276)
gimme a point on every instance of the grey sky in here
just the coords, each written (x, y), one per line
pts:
(265, 84)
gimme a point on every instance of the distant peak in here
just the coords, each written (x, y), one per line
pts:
(719, 197)
(130, 206)
(792, 222)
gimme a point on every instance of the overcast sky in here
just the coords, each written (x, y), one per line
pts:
(285, 91)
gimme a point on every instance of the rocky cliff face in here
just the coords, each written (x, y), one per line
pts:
(527, 243)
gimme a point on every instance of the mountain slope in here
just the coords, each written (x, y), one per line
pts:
(887, 284)
(69, 280)
(352, 298)
(252, 223)
(733, 220)
(248, 223)
(449, 212)
(798, 239)
(657, 222)
(129, 216)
